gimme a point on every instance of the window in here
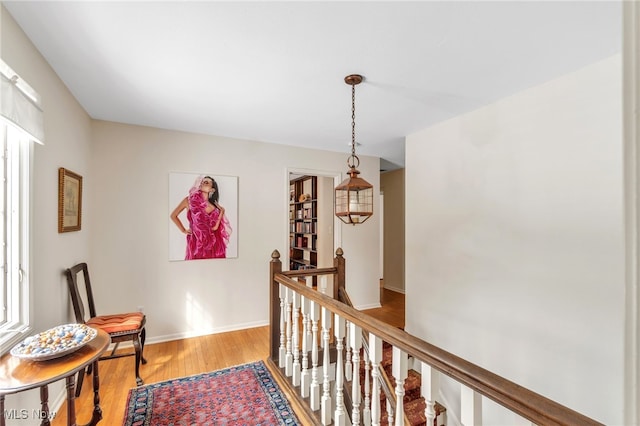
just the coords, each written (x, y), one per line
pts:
(21, 124)
(14, 211)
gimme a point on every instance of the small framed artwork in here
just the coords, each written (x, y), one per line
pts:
(69, 200)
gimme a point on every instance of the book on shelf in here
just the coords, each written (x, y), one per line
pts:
(302, 242)
(305, 227)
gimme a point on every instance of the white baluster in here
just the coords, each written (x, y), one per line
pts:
(339, 332)
(309, 344)
(355, 343)
(314, 397)
(400, 370)
(296, 339)
(326, 385)
(288, 369)
(348, 366)
(366, 411)
(309, 281)
(305, 377)
(375, 353)
(283, 349)
(470, 406)
(429, 387)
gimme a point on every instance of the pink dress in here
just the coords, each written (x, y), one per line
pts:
(204, 242)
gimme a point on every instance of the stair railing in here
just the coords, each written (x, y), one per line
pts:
(321, 393)
(385, 384)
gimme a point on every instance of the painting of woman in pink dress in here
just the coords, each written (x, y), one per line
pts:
(209, 229)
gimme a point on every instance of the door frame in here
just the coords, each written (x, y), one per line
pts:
(337, 228)
(631, 136)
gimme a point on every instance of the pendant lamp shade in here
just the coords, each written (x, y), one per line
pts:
(354, 199)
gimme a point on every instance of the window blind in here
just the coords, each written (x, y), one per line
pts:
(20, 104)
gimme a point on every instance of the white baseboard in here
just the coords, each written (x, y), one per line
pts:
(369, 306)
(56, 404)
(397, 290)
(198, 333)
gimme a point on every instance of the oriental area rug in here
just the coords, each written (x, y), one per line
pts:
(242, 395)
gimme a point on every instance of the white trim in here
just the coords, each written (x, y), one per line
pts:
(368, 306)
(631, 127)
(381, 251)
(18, 160)
(394, 289)
(192, 334)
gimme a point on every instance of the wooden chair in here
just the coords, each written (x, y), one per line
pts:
(121, 327)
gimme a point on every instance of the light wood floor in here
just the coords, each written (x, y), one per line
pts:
(187, 357)
(392, 310)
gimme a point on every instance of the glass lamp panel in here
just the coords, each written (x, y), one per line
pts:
(354, 199)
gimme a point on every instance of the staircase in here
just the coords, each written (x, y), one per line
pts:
(392, 312)
(327, 317)
(413, 401)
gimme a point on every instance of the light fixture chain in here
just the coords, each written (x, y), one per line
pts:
(353, 120)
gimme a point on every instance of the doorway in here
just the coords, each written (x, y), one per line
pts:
(325, 230)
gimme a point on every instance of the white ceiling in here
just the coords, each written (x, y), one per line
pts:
(273, 71)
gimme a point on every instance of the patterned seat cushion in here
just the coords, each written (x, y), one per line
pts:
(118, 323)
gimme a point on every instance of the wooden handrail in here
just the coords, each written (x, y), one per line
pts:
(524, 402)
(310, 272)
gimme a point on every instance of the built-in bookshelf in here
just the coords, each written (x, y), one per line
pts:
(303, 223)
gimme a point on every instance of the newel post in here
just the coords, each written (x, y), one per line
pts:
(275, 267)
(339, 277)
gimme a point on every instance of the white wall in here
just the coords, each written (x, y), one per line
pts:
(130, 211)
(326, 222)
(515, 245)
(393, 185)
(67, 144)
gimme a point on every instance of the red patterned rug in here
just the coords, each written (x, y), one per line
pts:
(242, 395)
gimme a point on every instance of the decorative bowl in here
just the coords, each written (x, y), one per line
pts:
(55, 342)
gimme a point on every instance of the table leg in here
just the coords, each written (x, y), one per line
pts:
(97, 411)
(2, 409)
(44, 402)
(71, 404)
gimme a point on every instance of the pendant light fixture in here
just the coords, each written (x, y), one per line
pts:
(354, 196)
